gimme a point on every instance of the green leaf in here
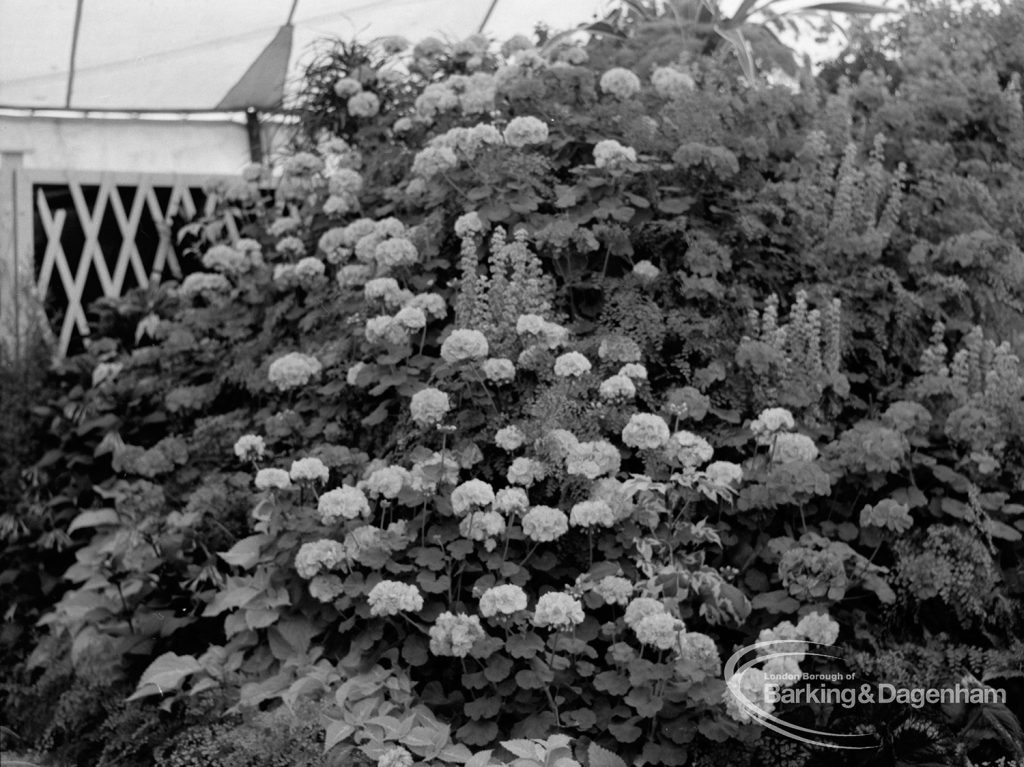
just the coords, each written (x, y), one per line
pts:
(337, 731)
(524, 749)
(625, 732)
(739, 44)
(524, 645)
(602, 757)
(845, 7)
(94, 518)
(165, 674)
(377, 416)
(246, 553)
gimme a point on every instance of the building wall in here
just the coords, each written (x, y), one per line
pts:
(142, 145)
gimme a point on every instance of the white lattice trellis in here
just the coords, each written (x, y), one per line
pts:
(111, 276)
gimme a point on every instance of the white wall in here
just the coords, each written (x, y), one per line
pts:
(141, 145)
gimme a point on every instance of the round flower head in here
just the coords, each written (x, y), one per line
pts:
(788, 448)
(558, 611)
(429, 303)
(464, 344)
(502, 600)
(394, 597)
(671, 83)
(250, 447)
(611, 154)
(267, 479)
(819, 627)
(523, 131)
(411, 317)
(593, 459)
(469, 224)
(748, 685)
(432, 160)
(659, 630)
(620, 82)
(204, 283)
(483, 526)
(700, 652)
(645, 271)
(473, 492)
(723, 473)
(353, 373)
(387, 481)
(770, 421)
(454, 635)
(326, 588)
(544, 524)
(646, 431)
(224, 258)
(634, 371)
(310, 269)
(346, 87)
(592, 514)
(614, 590)
(525, 472)
(509, 438)
(364, 104)
(429, 407)
(616, 388)
(511, 500)
(342, 503)
(293, 370)
(571, 364)
(395, 252)
(381, 288)
(499, 369)
(689, 449)
(316, 556)
(309, 470)
(395, 756)
(640, 608)
(888, 515)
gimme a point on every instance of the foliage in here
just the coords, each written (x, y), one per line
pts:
(590, 382)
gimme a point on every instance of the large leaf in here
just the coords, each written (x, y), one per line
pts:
(602, 757)
(846, 7)
(94, 518)
(165, 674)
(739, 44)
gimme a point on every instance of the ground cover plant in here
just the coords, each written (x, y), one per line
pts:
(533, 384)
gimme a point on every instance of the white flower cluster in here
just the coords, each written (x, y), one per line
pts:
(315, 556)
(344, 502)
(571, 365)
(550, 334)
(788, 447)
(509, 438)
(617, 388)
(634, 371)
(611, 154)
(454, 635)
(592, 459)
(326, 587)
(224, 258)
(394, 597)
(614, 590)
(688, 449)
(511, 500)
(544, 524)
(469, 224)
(387, 481)
(429, 407)
(272, 479)
(592, 514)
(498, 369)
(771, 421)
(558, 611)
(292, 370)
(483, 526)
(659, 630)
(432, 160)
(525, 131)
(250, 447)
(205, 284)
(526, 472)
(646, 431)
(645, 271)
(670, 83)
(470, 494)
(502, 600)
(620, 82)
(309, 470)
(464, 344)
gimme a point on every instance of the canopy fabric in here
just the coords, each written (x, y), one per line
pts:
(182, 55)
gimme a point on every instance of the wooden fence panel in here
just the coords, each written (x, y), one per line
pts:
(96, 208)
